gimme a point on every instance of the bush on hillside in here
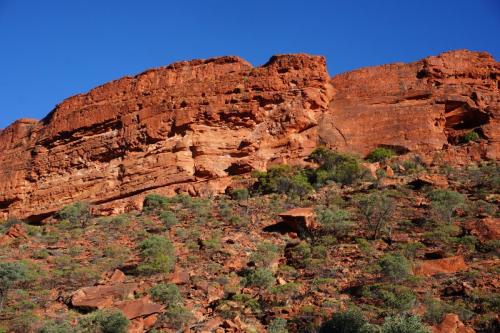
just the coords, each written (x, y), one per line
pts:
(157, 254)
(380, 154)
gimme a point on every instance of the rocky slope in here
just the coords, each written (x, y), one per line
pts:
(190, 126)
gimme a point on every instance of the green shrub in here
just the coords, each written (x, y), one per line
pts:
(404, 324)
(350, 321)
(393, 296)
(167, 294)
(283, 179)
(79, 212)
(380, 154)
(264, 254)
(154, 203)
(11, 273)
(336, 221)
(277, 325)
(103, 321)
(57, 327)
(168, 219)
(434, 311)
(445, 203)
(338, 167)
(470, 137)
(157, 255)
(40, 254)
(261, 278)
(240, 194)
(396, 267)
(177, 316)
(376, 209)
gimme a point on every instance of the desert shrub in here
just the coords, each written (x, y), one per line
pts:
(470, 137)
(167, 294)
(177, 316)
(213, 242)
(11, 221)
(168, 219)
(395, 266)
(409, 250)
(157, 255)
(434, 311)
(336, 221)
(277, 325)
(485, 179)
(23, 322)
(380, 154)
(240, 194)
(442, 234)
(261, 278)
(264, 254)
(77, 213)
(103, 321)
(445, 203)
(350, 321)
(414, 164)
(338, 167)
(481, 207)
(299, 255)
(469, 241)
(364, 246)
(154, 203)
(404, 324)
(392, 296)
(11, 273)
(248, 302)
(57, 327)
(283, 179)
(376, 209)
(40, 254)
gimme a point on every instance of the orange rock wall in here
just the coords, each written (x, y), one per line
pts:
(190, 126)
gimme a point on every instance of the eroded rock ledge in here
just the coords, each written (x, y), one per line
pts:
(190, 126)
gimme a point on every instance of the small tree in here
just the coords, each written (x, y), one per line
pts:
(404, 324)
(79, 212)
(376, 209)
(445, 203)
(10, 274)
(157, 255)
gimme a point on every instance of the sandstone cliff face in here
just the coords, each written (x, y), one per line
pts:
(190, 126)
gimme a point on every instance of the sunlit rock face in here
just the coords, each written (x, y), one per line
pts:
(189, 127)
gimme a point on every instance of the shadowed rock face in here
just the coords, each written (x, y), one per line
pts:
(190, 126)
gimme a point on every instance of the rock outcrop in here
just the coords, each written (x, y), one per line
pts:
(190, 126)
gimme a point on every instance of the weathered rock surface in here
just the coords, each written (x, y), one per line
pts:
(452, 324)
(190, 126)
(440, 266)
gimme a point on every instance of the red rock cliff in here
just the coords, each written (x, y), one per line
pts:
(192, 125)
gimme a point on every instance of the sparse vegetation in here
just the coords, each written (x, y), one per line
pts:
(77, 213)
(157, 255)
(380, 154)
(376, 209)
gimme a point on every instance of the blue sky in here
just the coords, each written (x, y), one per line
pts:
(50, 50)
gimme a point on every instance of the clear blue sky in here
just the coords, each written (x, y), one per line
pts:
(50, 50)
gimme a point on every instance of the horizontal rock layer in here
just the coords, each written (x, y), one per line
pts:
(190, 126)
